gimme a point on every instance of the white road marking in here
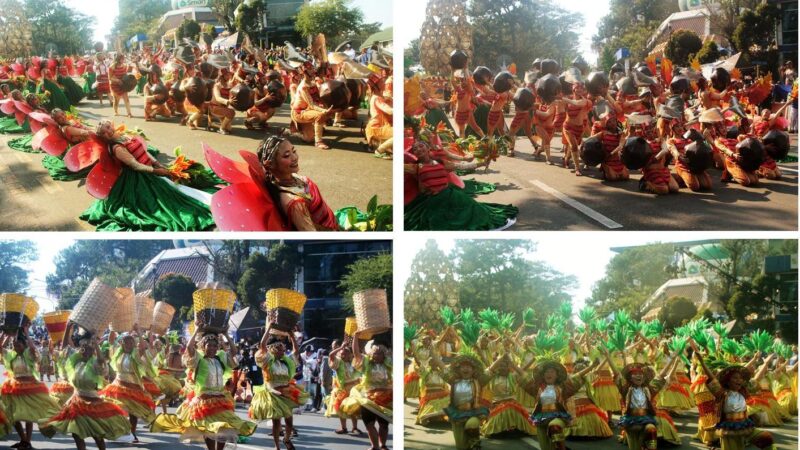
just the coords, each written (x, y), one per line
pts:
(787, 169)
(605, 221)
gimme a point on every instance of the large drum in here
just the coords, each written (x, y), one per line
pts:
(241, 97)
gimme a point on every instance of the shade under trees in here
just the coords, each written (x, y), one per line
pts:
(15, 257)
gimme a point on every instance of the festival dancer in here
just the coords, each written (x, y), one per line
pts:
(170, 370)
(523, 119)
(306, 106)
(463, 94)
(279, 395)
(62, 389)
(656, 177)
(505, 412)
(495, 122)
(676, 143)
(729, 146)
(762, 403)
(373, 396)
(708, 96)
(220, 102)
(118, 69)
(467, 376)
(588, 421)
(25, 398)
(340, 361)
(379, 126)
(264, 107)
(730, 388)
(434, 396)
(156, 201)
(209, 416)
(608, 130)
(577, 108)
(127, 358)
(297, 198)
(639, 386)
(86, 414)
(155, 96)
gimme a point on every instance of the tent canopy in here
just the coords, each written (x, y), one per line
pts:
(246, 319)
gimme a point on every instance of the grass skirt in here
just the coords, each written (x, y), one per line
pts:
(666, 428)
(545, 441)
(481, 114)
(152, 388)
(267, 405)
(765, 408)
(27, 401)
(61, 391)
(707, 411)
(605, 395)
(144, 202)
(23, 144)
(136, 402)
(589, 421)
(508, 416)
(453, 209)
(8, 125)
(411, 384)
(787, 402)
(73, 92)
(432, 405)
(58, 99)
(525, 399)
(206, 417)
(100, 419)
(675, 397)
(378, 402)
(168, 385)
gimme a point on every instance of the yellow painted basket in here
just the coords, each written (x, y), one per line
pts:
(284, 307)
(56, 324)
(213, 307)
(16, 311)
(351, 327)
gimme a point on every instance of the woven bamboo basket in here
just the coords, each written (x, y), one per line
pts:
(143, 310)
(16, 311)
(56, 324)
(284, 307)
(124, 311)
(372, 312)
(94, 310)
(213, 307)
(162, 317)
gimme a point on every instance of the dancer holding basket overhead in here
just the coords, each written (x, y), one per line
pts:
(279, 395)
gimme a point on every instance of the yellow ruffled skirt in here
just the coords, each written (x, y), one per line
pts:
(764, 406)
(27, 400)
(88, 419)
(61, 391)
(134, 400)
(507, 416)
(666, 428)
(378, 402)
(268, 405)
(333, 403)
(169, 386)
(605, 394)
(5, 425)
(411, 383)
(206, 417)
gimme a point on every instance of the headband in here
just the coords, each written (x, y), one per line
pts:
(268, 148)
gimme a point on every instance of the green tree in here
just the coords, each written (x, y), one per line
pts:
(411, 54)
(176, 289)
(500, 274)
(631, 277)
(248, 16)
(333, 18)
(367, 273)
(116, 262)
(225, 10)
(52, 22)
(139, 16)
(188, 29)
(676, 311)
(708, 53)
(276, 268)
(754, 35)
(503, 28)
(681, 46)
(14, 259)
(724, 15)
(630, 23)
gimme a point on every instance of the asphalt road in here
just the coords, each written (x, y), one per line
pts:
(315, 432)
(347, 175)
(417, 437)
(553, 198)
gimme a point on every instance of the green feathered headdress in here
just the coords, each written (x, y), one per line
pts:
(652, 329)
(782, 350)
(565, 310)
(469, 327)
(720, 329)
(617, 339)
(528, 317)
(409, 333)
(587, 315)
(732, 348)
(549, 345)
